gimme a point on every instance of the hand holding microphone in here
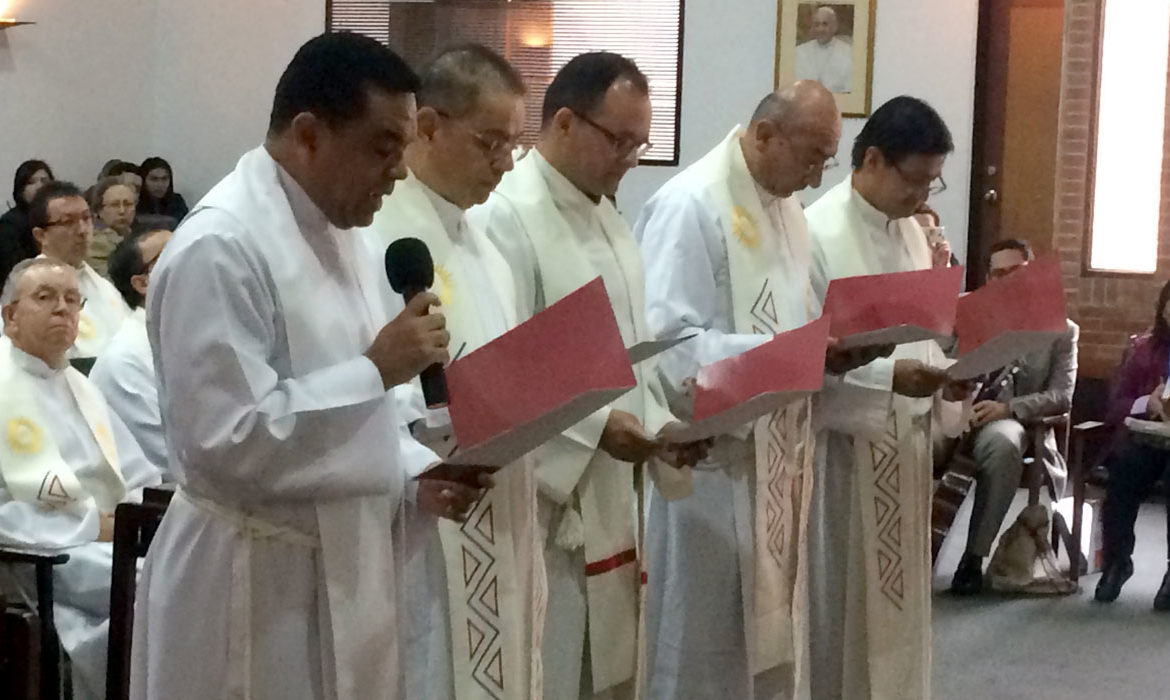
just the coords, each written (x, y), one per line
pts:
(415, 342)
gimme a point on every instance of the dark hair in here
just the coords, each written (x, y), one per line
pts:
(1161, 330)
(126, 261)
(330, 76)
(120, 168)
(99, 190)
(147, 204)
(582, 83)
(24, 173)
(902, 127)
(1023, 247)
(454, 80)
(38, 209)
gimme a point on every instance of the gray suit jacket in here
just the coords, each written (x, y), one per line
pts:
(1043, 387)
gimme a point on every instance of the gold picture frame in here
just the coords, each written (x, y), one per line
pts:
(830, 41)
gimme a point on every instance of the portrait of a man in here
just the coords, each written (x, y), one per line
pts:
(825, 52)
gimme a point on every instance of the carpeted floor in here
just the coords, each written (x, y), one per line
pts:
(1071, 648)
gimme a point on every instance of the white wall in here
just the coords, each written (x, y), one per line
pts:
(202, 99)
(216, 70)
(74, 87)
(924, 48)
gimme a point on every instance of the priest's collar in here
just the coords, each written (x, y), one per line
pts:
(450, 214)
(35, 365)
(869, 213)
(309, 217)
(562, 189)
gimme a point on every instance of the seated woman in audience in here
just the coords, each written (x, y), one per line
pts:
(115, 203)
(159, 206)
(1136, 462)
(16, 239)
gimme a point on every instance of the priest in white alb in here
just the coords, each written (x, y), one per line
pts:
(63, 225)
(276, 571)
(124, 372)
(870, 545)
(66, 461)
(727, 260)
(477, 606)
(553, 220)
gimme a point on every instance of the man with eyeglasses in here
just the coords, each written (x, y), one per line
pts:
(554, 220)
(63, 227)
(869, 574)
(470, 117)
(66, 460)
(124, 372)
(727, 259)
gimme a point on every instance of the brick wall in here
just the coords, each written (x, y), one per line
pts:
(1108, 307)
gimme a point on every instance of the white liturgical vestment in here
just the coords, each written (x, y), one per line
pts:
(65, 459)
(728, 262)
(556, 239)
(870, 554)
(289, 455)
(476, 588)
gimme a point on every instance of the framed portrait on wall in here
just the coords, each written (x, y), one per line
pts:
(830, 42)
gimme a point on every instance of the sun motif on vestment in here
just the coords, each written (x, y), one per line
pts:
(24, 436)
(744, 228)
(444, 285)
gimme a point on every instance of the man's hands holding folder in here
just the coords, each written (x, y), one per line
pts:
(450, 493)
(919, 380)
(840, 361)
(625, 439)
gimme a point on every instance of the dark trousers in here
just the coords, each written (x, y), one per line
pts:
(1133, 470)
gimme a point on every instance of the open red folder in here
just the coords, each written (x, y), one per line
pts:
(1010, 317)
(539, 379)
(894, 308)
(737, 391)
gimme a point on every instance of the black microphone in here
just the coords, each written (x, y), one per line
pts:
(411, 271)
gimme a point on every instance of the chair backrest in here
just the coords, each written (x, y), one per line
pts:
(134, 528)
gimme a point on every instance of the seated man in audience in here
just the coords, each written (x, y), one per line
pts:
(63, 226)
(66, 461)
(125, 371)
(1037, 386)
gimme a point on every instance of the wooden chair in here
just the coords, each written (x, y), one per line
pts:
(53, 682)
(134, 528)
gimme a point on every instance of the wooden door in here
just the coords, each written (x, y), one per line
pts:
(1017, 103)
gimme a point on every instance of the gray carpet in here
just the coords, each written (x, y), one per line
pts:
(1070, 648)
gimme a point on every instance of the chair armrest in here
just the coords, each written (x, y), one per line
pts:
(1054, 421)
(18, 555)
(1087, 427)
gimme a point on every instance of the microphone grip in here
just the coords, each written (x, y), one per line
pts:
(434, 386)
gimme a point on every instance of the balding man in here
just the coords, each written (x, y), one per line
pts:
(727, 260)
(826, 58)
(66, 461)
(470, 117)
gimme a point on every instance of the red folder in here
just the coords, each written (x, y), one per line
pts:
(737, 391)
(898, 307)
(1009, 318)
(537, 380)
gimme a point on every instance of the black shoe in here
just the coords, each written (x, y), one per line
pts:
(1112, 579)
(1162, 598)
(968, 578)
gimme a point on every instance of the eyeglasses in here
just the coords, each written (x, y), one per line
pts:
(495, 146)
(830, 163)
(51, 297)
(932, 187)
(624, 147)
(76, 222)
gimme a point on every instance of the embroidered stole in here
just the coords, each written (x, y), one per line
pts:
(605, 490)
(495, 568)
(30, 459)
(765, 267)
(892, 495)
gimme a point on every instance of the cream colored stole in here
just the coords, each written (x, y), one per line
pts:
(496, 582)
(30, 459)
(357, 601)
(764, 266)
(605, 494)
(893, 477)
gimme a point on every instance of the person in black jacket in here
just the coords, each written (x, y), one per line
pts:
(16, 239)
(158, 199)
